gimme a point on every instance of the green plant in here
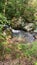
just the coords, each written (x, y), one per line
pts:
(28, 49)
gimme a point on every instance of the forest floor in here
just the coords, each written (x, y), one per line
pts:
(19, 61)
(23, 59)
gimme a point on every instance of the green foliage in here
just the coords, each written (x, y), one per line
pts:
(35, 63)
(28, 49)
(2, 3)
(23, 8)
(3, 19)
(3, 22)
(10, 11)
(2, 39)
(7, 50)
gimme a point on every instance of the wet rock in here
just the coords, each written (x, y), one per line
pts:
(29, 37)
(35, 35)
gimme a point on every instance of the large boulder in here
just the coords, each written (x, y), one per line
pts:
(29, 26)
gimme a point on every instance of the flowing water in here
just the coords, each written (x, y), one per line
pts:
(28, 36)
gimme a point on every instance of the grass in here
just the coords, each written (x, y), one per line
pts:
(28, 49)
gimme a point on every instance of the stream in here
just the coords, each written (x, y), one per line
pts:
(30, 37)
(22, 34)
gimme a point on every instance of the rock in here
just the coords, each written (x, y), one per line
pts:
(35, 31)
(29, 37)
(29, 27)
(36, 36)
